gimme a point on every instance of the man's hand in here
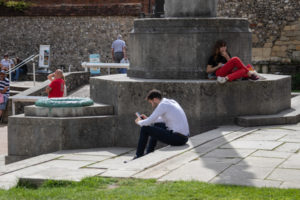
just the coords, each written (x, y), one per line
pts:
(144, 116)
(137, 120)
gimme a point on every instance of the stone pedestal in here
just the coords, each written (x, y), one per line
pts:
(191, 8)
(179, 48)
(206, 103)
(44, 130)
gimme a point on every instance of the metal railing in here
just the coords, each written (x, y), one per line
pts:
(25, 61)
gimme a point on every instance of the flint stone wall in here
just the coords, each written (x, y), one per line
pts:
(275, 26)
(274, 23)
(72, 39)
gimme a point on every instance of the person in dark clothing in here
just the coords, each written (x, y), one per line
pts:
(21, 71)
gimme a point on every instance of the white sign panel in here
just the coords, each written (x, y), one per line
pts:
(44, 60)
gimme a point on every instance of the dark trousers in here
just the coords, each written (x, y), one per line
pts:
(158, 132)
(118, 57)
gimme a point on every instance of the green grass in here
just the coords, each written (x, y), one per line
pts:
(107, 188)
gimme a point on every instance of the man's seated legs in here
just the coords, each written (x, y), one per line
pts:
(160, 134)
(153, 141)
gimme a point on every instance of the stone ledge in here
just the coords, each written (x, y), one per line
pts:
(289, 116)
(94, 110)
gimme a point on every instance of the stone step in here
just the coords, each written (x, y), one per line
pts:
(94, 110)
(18, 87)
(14, 92)
(290, 116)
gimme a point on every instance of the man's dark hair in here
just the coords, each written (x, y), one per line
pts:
(154, 94)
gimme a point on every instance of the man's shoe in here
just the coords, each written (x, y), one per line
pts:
(135, 157)
(221, 80)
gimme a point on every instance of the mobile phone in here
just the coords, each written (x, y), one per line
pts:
(138, 115)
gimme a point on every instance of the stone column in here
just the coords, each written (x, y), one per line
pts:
(191, 8)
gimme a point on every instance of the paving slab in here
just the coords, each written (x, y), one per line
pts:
(213, 134)
(246, 182)
(261, 162)
(62, 174)
(165, 167)
(166, 153)
(28, 162)
(290, 185)
(264, 135)
(119, 173)
(84, 157)
(67, 164)
(8, 181)
(295, 127)
(113, 163)
(292, 163)
(271, 154)
(110, 151)
(200, 170)
(210, 146)
(245, 172)
(289, 147)
(265, 145)
(295, 137)
(286, 175)
(229, 153)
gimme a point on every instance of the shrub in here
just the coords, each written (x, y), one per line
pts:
(16, 5)
(296, 81)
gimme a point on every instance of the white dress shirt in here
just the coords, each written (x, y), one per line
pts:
(171, 114)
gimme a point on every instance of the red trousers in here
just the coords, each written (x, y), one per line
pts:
(233, 69)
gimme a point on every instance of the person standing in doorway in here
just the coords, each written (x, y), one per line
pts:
(118, 51)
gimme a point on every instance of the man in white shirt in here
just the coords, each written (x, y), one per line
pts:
(173, 128)
(118, 51)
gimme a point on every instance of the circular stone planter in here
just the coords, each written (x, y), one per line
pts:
(64, 102)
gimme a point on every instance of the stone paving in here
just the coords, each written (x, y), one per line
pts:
(256, 156)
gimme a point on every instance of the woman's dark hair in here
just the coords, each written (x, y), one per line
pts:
(154, 94)
(218, 45)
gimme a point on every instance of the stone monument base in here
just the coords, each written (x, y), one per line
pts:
(207, 103)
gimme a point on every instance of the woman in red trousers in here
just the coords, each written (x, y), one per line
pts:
(225, 68)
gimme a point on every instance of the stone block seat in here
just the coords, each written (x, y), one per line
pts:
(43, 130)
(289, 116)
(207, 103)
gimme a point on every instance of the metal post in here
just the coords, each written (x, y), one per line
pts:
(33, 71)
(9, 67)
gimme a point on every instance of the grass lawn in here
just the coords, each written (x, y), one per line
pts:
(107, 188)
